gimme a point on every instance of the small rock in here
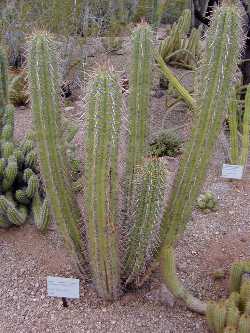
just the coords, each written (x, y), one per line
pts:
(69, 109)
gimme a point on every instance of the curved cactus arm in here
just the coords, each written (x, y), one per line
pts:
(44, 91)
(10, 174)
(139, 98)
(174, 81)
(15, 215)
(4, 222)
(40, 211)
(168, 267)
(144, 226)
(101, 178)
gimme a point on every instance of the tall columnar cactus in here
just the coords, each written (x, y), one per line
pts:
(102, 186)
(139, 98)
(245, 129)
(45, 93)
(216, 75)
(233, 127)
(3, 85)
(144, 226)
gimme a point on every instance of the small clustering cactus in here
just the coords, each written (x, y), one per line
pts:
(232, 314)
(207, 201)
(19, 183)
(239, 144)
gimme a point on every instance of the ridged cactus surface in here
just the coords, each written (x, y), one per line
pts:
(45, 99)
(102, 184)
(139, 98)
(224, 39)
(146, 213)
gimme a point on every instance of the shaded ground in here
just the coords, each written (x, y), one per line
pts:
(211, 242)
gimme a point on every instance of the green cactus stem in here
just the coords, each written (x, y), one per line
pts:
(101, 178)
(3, 85)
(45, 91)
(168, 268)
(233, 127)
(236, 272)
(40, 209)
(232, 315)
(10, 174)
(216, 77)
(16, 216)
(246, 130)
(244, 324)
(244, 293)
(139, 98)
(217, 72)
(147, 207)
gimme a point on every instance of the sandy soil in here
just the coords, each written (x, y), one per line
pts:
(211, 242)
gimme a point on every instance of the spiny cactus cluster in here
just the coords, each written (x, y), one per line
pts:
(177, 47)
(207, 201)
(233, 314)
(19, 183)
(239, 144)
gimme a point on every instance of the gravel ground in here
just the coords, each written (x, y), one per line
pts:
(211, 242)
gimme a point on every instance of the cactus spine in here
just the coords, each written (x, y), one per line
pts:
(44, 90)
(102, 187)
(217, 72)
(140, 85)
(146, 215)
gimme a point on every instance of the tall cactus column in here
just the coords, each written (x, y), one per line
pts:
(44, 90)
(101, 191)
(139, 97)
(216, 78)
(3, 86)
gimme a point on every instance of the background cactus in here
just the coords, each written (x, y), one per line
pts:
(102, 185)
(45, 91)
(177, 47)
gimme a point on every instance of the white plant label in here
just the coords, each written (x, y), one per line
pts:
(63, 287)
(232, 171)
